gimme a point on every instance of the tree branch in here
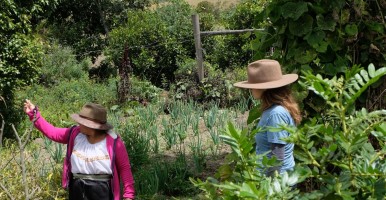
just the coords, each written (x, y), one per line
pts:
(6, 191)
(22, 161)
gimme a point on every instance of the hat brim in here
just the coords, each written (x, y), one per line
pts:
(91, 124)
(285, 80)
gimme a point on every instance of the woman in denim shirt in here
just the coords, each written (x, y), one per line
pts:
(270, 86)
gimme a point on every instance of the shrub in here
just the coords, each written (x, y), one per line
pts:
(217, 85)
(143, 90)
(170, 178)
(334, 156)
(67, 97)
(60, 64)
(20, 176)
(327, 36)
(160, 31)
(233, 51)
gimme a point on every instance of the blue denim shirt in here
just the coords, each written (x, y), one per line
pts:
(273, 117)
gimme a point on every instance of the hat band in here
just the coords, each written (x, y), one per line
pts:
(263, 80)
(94, 120)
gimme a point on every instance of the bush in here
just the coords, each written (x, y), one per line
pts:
(217, 85)
(160, 31)
(143, 90)
(68, 97)
(170, 178)
(60, 64)
(233, 51)
(335, 159)
(42, 182)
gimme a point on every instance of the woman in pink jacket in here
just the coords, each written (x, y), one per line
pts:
(96, 159)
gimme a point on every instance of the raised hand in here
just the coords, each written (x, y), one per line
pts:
(28, 106)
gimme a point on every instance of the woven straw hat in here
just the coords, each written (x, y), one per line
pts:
(266, 74)
(93, 116)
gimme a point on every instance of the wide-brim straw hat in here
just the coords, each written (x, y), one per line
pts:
(93, 116)
(266, 74)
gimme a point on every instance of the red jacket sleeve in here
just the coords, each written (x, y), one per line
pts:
(54, 133)
(124, 170)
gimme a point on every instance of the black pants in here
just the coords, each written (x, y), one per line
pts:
(83, 189)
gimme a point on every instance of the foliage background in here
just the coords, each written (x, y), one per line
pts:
(61, 54)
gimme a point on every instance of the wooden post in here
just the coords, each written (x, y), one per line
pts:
(197, 42)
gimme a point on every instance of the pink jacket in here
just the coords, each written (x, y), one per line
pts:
(121, 166)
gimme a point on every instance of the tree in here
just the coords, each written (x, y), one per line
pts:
(20, 52)
(334, 33)
(158, 41)
(328, 37)
(85, 24)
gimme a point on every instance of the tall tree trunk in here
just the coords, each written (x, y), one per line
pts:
(124, 82)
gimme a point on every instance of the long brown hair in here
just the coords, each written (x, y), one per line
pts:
(281, 96)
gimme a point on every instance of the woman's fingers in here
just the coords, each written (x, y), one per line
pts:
(28, 106)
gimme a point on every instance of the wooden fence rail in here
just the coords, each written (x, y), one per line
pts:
(198, 45)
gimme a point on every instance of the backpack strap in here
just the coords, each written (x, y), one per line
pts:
(115, 137)
(68, 153)
(69, 135)
(113, 160)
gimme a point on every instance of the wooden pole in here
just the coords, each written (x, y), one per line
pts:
(197, 42)
(198, 45)
(227, 32)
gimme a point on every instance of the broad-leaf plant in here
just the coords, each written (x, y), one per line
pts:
(334, 156)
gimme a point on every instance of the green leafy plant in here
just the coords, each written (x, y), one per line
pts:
(239, 178)
(326, 36)
(60, 64)
(337, 150)
(20, 178)
(20, 54)
(334, 158)
(136, 141)
(170, 178)
(233, 51)
(160, 31)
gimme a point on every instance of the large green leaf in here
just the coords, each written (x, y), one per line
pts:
(382, 128)
(305, 56)
(357, 142)
(325, 23)
(248, 190)
(377, 27)
(302, 26)
(339, 66)
(318, 8)
(294, 10)
(316, 40)
(351, 29)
